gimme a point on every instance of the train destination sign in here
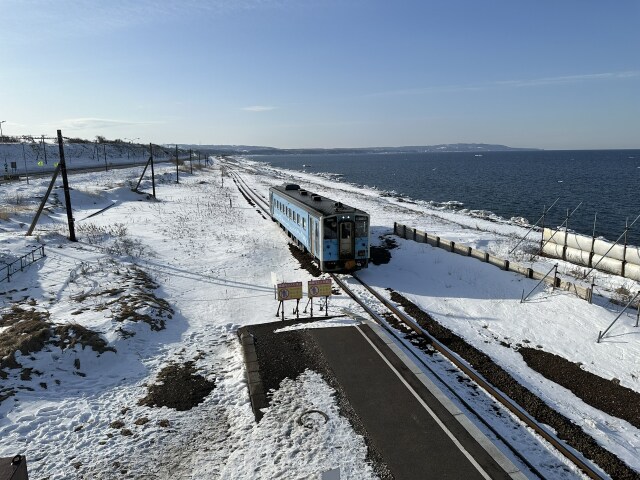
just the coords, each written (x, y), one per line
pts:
(319, 288)
(289, 291)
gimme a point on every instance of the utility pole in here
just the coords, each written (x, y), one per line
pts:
(44, 148)
(104, 151)
(65, 184)
(177, 172)
(153, 173)
(1, 134)
(24, 158)
(191, 160)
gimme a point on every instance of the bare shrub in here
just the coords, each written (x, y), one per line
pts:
(128, 247)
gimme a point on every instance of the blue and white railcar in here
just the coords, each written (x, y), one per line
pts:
(337, 235)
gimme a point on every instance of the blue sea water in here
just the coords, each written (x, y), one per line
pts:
(508, 184)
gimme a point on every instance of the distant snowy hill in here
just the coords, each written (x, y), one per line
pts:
(450, 147)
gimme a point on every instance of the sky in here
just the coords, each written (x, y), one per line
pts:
(324, 73)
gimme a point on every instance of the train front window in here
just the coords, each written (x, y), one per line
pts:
(361, 227)
(330, 229)
(346, 230)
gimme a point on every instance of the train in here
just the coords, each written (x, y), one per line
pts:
(335, 234)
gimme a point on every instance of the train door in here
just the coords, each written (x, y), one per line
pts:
(346, 240)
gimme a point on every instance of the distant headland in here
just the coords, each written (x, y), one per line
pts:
(448, 147)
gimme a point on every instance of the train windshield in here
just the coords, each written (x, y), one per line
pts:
(330, 228)
(361, 226)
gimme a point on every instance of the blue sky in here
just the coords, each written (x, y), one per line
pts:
(324, 73)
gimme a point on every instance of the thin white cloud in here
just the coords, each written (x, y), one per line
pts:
(536, 82)
(81, 17)
(569, 79)
(258, 108)
(97, 123)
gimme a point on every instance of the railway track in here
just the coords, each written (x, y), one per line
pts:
(385, 307)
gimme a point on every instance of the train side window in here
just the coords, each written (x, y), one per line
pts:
(298, 218)
(330, 228)
(304, 223)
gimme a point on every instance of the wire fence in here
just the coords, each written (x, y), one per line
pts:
(21, 263)
(26, 155)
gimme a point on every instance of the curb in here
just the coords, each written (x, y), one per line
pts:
(254, 382)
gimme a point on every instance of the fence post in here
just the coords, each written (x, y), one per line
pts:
(624, 251)
(544, 211)
(404, 231)
(486, 257)
(593, 240)
(566, 236)
(506, 265)
(453, 246)
(437, 241)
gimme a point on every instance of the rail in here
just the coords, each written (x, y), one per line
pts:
(515, 409)
(479, 380)
(24, 261)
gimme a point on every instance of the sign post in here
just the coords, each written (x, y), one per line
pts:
(319, 288)
(289, 291)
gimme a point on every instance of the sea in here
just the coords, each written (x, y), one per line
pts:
(578, 188)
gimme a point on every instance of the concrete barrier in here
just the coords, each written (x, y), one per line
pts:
(584, 293)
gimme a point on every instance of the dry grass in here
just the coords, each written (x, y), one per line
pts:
(73, 334)
(28, 328)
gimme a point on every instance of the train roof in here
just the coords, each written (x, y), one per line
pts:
(318, 203)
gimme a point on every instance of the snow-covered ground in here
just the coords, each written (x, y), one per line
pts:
(201, 248)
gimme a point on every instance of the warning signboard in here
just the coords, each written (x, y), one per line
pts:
(319, 288)
(289, 291)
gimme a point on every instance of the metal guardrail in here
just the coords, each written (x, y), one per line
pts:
(21, 263)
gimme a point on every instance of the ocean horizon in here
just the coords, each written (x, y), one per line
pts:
(515, 186)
